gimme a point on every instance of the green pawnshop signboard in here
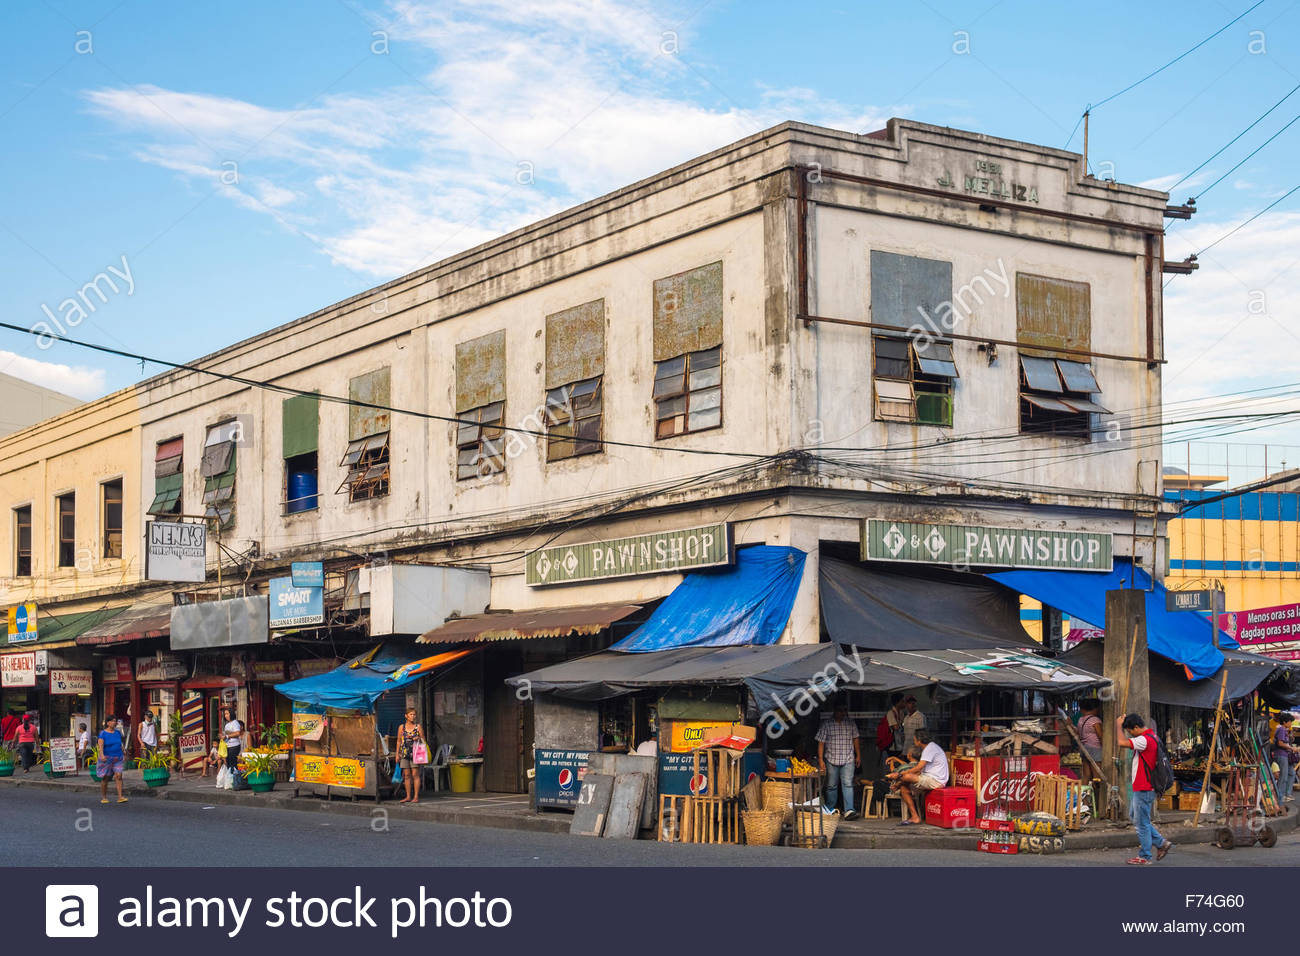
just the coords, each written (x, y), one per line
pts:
(981, 546)
(657, 553)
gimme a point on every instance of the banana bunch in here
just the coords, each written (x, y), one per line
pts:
(801, 766)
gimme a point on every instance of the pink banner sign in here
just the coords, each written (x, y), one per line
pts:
(1263, 625)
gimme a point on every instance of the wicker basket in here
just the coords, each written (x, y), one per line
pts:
(777, 795)
(763, 827)
(807, 828)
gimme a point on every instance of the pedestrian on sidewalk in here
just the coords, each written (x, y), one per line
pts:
(838, 754)
(27, 742)
(112, 760)
(1145, 746)
(1284, 754)
(148, 734)
(83, 745)
(233, 732)
(408, 735)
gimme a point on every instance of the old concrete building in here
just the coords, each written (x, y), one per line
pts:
(781, 342)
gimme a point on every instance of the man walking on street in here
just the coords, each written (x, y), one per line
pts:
(913, 721)
(1145, 746)
(149, 734)
(838, 753)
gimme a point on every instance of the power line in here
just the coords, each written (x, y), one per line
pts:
(1250, 220)
(1225, 146)
(341, 400)
(1248, 156)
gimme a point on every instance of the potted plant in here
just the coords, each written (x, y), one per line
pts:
(47, 765)
(259, 770)
(7, 759)
(155, 767)
(91, 759)
(174, 730)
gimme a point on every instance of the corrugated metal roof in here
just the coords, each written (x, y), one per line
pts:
(137, 622)
(518, 625)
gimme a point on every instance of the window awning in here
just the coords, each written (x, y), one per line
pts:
(915, 609)
(745, 603)
(1181, 636)
(134, 623)
(519, 625)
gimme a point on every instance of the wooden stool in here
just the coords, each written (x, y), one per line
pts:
(866, 800)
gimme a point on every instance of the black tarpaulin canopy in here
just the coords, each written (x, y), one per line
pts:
(949, 673)
(1169, 684)
(917, 608)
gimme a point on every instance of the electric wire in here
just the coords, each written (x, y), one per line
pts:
(1259, 119)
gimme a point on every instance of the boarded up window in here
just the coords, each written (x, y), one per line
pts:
(688, 312)
(300, 418)
(575, 344)
(1053, 313)
(372, 389)
(908, 291)
(481, 371)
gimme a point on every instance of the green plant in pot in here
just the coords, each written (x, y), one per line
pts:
(91, 759)
(47, 763)
(174, 730)
(154, 767)
(8, 758)
(259, 770)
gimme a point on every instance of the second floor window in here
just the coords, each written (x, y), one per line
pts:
(218, 471)
(369, 420)
(480, 442)
(688, 393)
(112, 518)
(23, 542)
(913, 380)
(66, 516)
(367, 463)
(1057, 397)
(168, 481)
(573, 419)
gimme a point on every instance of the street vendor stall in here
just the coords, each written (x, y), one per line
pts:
(338, 746)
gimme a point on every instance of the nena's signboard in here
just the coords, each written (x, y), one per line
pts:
(657, 553)
(175, 551)
(960, 545)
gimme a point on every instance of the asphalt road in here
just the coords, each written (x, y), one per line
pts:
(42, 828)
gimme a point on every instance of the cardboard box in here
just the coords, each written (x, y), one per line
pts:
(1189, 801)
(737, 737)
(1166, 802)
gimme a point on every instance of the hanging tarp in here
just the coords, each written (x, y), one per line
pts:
(1169, 683)
(357, 684)
(746, 603)
(1181, 636)
(948, 674)
(613, 673)
(917, 608)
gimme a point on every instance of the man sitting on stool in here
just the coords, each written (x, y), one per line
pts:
(930, 774)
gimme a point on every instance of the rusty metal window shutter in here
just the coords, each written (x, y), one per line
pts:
(300, 420)
(481, 371)
(908, 291)
(688, 312)
(1053, 314)
(372, 388)
(575, 344)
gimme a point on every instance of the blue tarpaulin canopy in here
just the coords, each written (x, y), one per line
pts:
(1181, 636)
(357, 684)
(746, 603)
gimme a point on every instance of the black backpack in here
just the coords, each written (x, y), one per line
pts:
(1160, 772)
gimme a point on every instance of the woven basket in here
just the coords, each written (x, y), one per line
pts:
(777, 795)
(807, 828)
(763, 827)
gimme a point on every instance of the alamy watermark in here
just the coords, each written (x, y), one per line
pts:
(79, 306)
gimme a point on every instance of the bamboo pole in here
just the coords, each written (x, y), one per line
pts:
(1214, 742)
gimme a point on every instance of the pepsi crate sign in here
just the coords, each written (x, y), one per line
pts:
(557, 780)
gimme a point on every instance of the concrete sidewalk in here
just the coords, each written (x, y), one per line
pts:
(513, 812)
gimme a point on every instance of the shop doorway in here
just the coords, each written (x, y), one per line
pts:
(505, 765)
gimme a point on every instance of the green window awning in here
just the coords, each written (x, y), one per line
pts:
(301, 425)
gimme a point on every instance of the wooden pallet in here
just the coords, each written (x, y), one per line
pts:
(1061, 797)
(721, 769)
(714, 819)
(674, 819)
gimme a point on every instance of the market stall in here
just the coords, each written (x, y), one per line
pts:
(338, 746)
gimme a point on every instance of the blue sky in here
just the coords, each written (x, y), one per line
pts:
(257, 161)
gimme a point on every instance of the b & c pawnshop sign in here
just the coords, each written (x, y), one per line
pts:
(656, 553)
(980, 546)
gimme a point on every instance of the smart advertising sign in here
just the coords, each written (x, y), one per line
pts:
(295, 607)
(22, 623)
(979, 546)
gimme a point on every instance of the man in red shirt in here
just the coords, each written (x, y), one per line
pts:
(1143, 743)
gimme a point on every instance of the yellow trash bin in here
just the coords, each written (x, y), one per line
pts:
(462, 777)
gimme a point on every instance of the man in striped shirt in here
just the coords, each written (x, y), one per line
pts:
(838, 753)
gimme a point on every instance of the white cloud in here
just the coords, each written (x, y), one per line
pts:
(79, 381)
(529, 109)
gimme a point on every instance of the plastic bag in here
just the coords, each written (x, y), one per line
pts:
(419, 753)
(223, 778)
(397, 774)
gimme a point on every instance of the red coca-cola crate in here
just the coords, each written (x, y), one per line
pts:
(1000, 826)
(990, 847)
(950, 807)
